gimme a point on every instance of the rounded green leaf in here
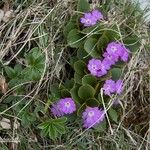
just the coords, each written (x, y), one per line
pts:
(78, 78)
(102, 43)
(70, 26)
(69, 83)
(65, 93)
(133, 43)
(74, 95)
(89, 79)
(97, 29)
(81, 53)
(116, 73)
(112, 34)
(90, 47)
(74, 38)
(113, 115)
(55, 90)
(86, 92)
(80, 67)
(92, 102)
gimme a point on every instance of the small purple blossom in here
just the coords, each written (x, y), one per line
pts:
(88, 20)
(63, 107)
(92, 117)
(119, 86)
(114, 49)
(97, 15)
(109, 87)
(117, 50)
(66, 105)
(97, 67)
(56, 111)
(124, 56)
(110, 59)
(91, 18)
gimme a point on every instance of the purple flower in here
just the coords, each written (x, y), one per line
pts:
(110, 59)
(114, 49)
(63, 107)
(91, 18)
(56, 111)
(97, 15)
(117, 50)
(119, 87)
(66, 105)
(88, 20)
(97, 68)
(92, 116)
(109, 87)
(124, 56)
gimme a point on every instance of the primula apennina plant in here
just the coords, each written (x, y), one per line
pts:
(99, 54)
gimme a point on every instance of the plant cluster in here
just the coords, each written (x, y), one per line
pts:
(99, 56)
(90, 94)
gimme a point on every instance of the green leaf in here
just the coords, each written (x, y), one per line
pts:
(31, 74)
(61, 120)
(101, 127)
(102, 43)
(55, 90)
(74, 95)
(10, 72)
(70, 26)
(65, 93)
(89, 79)
(133, 43)
(69, 83)
(97, 29)
(74, 38)
(90, 47)
(78, 78)
(92, 102)
(73, 60)
(80, 67)
(52, 132)
(116, 73)
(81, 109)
(112, 33)
(35, 58)
(53, 127)
(18, 68)
(27, 118)
(81, 53)
(86, 92)
(113, 115)
(83, 6)
(59, 128)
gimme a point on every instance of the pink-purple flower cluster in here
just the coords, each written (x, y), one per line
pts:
(92, 117)
(97, 67)
(91, 18)
(112, 87)
(114, 52)
(63, 107)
